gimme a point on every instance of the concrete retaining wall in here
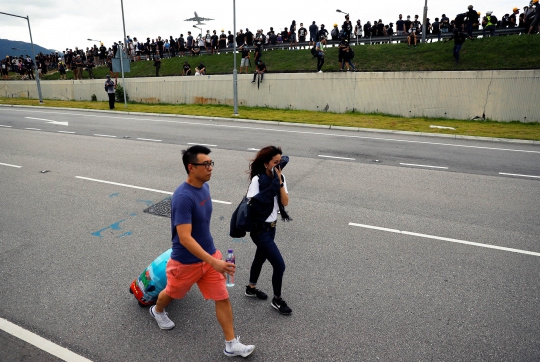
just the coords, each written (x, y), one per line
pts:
(499, 95)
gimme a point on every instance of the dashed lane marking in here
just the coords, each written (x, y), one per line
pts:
(201, 144)
(40, 342)
(518, 175)
(140, 188)
(7, 164)
(415, 165)
(338, 158)
(148, 139)
(446, 239)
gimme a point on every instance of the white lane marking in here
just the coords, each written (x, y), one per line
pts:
(222, 202)
(148, 139)
(104, 135)
(39, 119)
(140, 188)
(34, 129)
(65, 132)
(277, 130)
(414, 165)
(515, 174)
(441, 127)
(1, 125)
(253, 149)
(446, 239)
(40, 342)
(7, 164)
(339, 158)
(50, 121)
(202, 144)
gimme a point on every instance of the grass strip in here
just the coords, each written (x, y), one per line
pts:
(477, 128)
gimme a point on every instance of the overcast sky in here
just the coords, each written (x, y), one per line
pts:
(58, 24)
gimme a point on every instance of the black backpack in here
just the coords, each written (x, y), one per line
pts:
(314, 51)
(351, 53)
(494, 20)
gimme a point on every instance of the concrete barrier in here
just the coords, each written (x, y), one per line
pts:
(499, 95)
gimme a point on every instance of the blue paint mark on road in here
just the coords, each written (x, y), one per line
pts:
(132, 214)
(147, 202)
(115, 226)
(113, 195)
(128, 233)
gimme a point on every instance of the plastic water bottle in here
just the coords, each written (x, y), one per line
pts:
(230, 259)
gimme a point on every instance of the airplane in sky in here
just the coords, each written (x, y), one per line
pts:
(198, 19)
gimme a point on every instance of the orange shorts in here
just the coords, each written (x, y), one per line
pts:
(181, 277)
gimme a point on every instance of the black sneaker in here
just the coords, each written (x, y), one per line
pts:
(254, 292)
(281, 306)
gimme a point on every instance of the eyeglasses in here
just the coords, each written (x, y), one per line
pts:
(207, 165)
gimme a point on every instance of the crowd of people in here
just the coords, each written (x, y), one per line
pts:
(315, 36)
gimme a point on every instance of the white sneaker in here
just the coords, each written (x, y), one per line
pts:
(320, 71)
(235, 348)
(162, 320)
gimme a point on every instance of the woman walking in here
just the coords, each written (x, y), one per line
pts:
(268, 195)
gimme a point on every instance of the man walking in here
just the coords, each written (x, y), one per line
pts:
(459, 38)
(194, 258)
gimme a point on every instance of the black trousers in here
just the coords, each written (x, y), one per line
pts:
(320, 62)
(111, 100)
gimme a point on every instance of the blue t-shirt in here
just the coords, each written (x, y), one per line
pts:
(191, 205)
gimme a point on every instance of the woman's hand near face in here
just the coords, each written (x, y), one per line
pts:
(278, 173)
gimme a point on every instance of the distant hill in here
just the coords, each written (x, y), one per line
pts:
(7, 45)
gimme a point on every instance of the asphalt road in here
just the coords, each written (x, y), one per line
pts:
(385, 261)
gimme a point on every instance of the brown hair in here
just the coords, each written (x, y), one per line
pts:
(265, 155)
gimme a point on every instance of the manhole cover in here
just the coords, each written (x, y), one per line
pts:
(162, 208)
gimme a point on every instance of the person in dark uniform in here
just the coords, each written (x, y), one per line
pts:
(459, 38)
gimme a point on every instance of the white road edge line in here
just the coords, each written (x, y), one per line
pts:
(1, 125)
(253, 149)
(148, 139)
(515, 174)
(446, 239)
(339, 158)
(40, 342)
(202, 144)
(276, 130)
(414, 165)
(34, 129)
(140, 188)
(104, 135)
(65, 132)
(7, 164)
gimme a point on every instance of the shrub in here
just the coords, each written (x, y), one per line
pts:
(119, 94)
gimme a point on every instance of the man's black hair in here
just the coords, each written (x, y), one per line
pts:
(191, 155)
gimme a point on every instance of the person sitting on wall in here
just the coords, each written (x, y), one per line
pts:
(196, 50)
(259, 69)
(202, 69)
(186, 69)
